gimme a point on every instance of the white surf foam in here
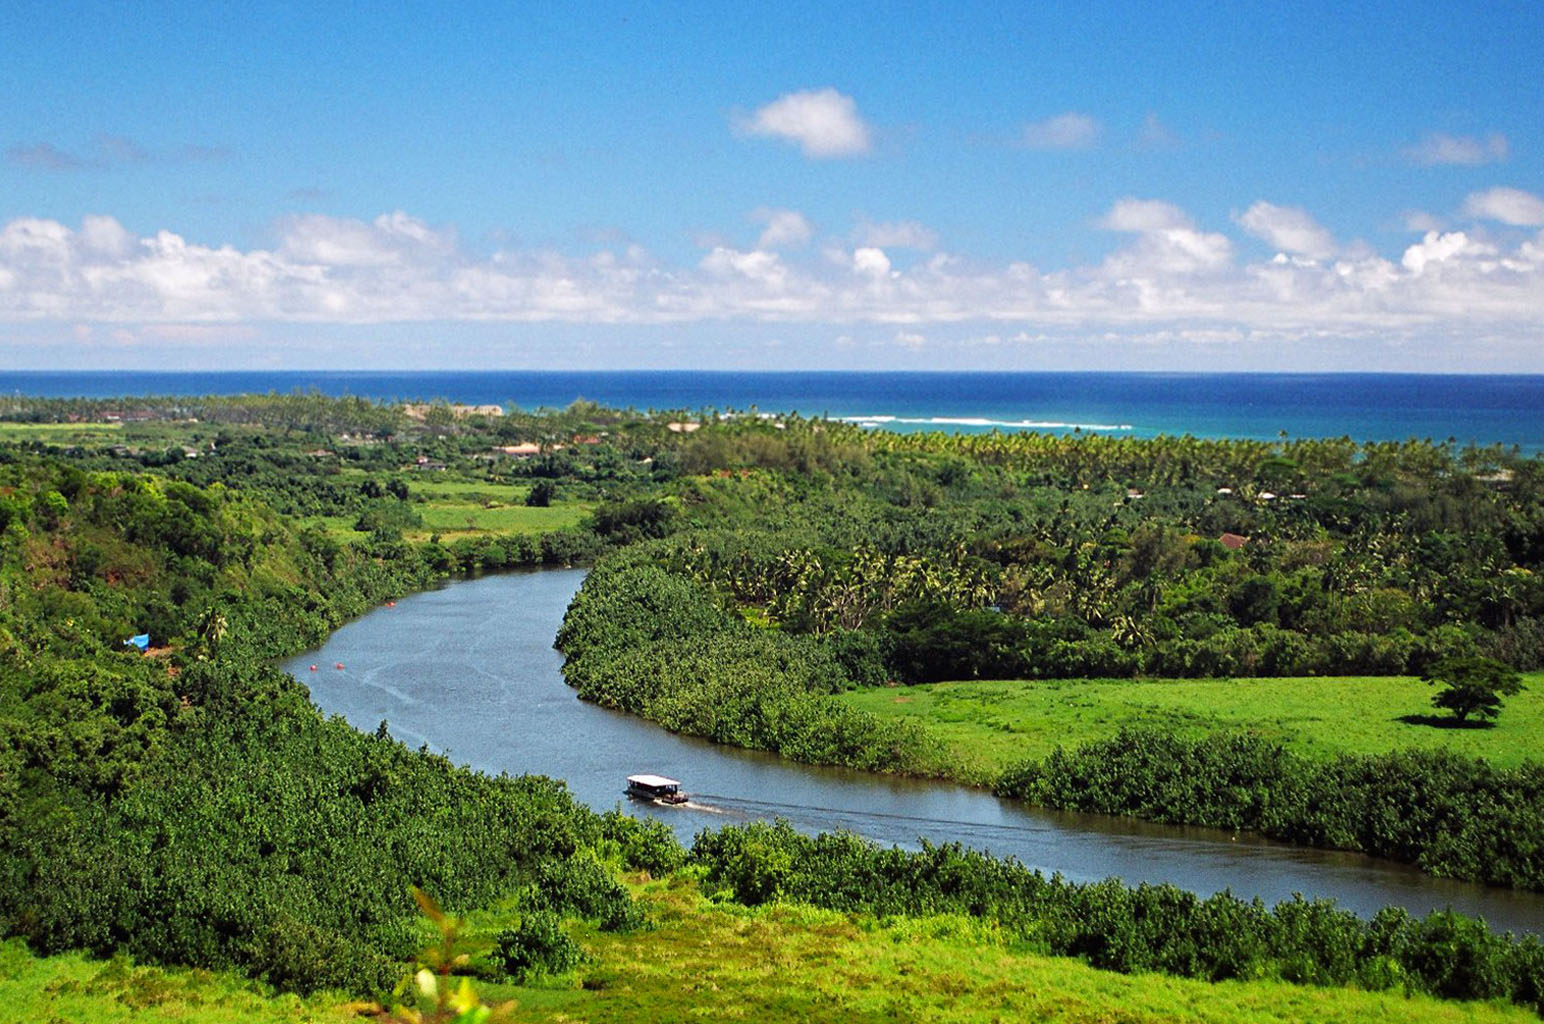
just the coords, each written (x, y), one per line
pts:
(981, 422)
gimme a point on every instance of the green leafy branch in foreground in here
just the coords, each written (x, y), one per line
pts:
(428, 994)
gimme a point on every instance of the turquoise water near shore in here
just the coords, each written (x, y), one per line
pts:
(1367, 407)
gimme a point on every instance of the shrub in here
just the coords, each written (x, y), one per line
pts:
(647, 844)
(580, 885)
(537, 945)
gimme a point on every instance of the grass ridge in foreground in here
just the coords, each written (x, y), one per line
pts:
(776, 963)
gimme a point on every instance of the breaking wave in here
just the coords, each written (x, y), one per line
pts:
(977, 422)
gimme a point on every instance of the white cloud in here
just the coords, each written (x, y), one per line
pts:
(393, 238)
(783, 229)
(762, 267)
(1168, 275)
(901, 234)
(910, 339)
(1144, 215)
(1289, 229)
(1167, 243)
(1437, 247)
(871, 262)
(1467, 150)
(1508, 205)
(106, 236)
(823, 122)
(1071, 130)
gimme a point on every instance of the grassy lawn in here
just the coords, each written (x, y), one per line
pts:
(74, 988)
(436, 488)
(781, 963)
(467, 508)
(60, 433)
(990, 724)
(452, 519)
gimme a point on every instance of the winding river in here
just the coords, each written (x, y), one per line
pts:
(470, 671)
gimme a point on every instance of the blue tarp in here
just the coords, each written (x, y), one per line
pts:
(142, 641)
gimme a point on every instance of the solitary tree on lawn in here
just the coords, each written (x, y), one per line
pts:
(1472, 686)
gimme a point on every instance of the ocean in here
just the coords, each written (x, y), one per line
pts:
(1366, 407)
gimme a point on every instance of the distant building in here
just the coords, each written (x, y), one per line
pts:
(1232, 541)
(524, 450)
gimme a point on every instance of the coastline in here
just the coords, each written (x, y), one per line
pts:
(1479, 409)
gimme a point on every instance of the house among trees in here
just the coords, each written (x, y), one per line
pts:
(1232, 541)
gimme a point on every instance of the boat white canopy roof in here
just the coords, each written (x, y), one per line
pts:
(651, 780)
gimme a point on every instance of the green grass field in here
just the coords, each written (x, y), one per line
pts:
(451, 519)
(769, 965)
(990, 724)
(79, 990)
(469, 508)
(60, 433)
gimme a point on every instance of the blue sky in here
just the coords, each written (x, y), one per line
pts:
(1026, 186)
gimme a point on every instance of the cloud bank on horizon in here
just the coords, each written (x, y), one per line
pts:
(821, 210)
(1487, 274)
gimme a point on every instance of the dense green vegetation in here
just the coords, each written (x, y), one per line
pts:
(1450, 815)
(195, 808)
(822, 561)
(1106, 557)
(643, 640)
(189, 806)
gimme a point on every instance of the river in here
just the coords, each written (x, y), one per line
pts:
(470, 671)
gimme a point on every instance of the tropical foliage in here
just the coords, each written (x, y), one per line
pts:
(189, 805)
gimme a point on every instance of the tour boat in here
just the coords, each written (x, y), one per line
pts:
(656, 788)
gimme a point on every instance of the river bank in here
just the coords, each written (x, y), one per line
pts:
(469, 671)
